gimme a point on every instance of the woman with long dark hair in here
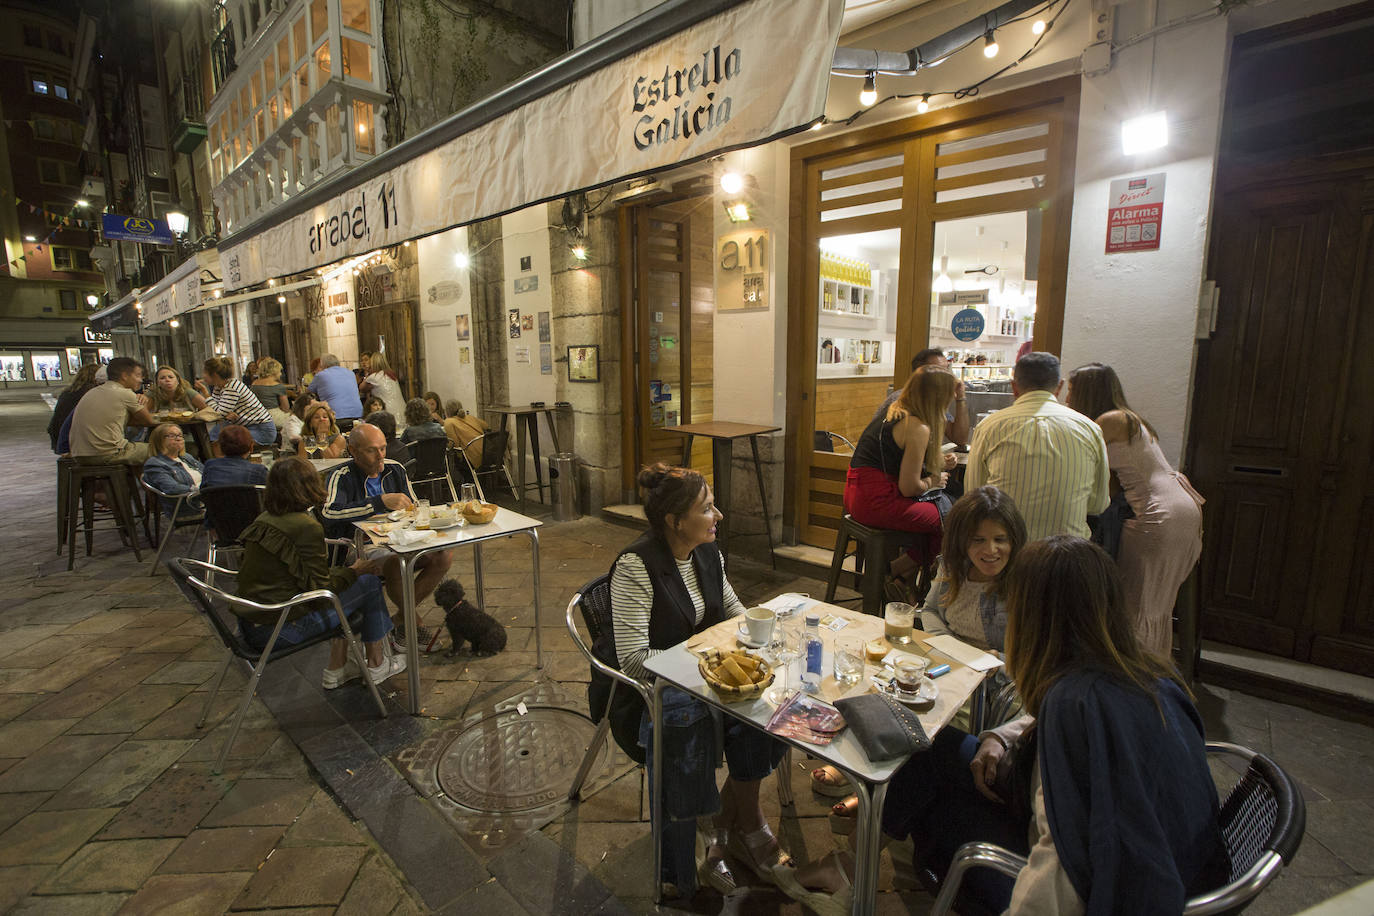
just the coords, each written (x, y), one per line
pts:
(1162, 543)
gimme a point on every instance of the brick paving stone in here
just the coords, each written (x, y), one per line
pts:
(95, 690)
(107, 622)
(184, 673)
(17, 881)
(14, 705)
(22, 738)
(374, 892)
(118, 865)
(133, 709)
(302, 876)
(282, 759)
(119, 776)
(254, 802)
(186, 895)
(71, 905)
(222, 849)
(57, 763)
(322, 823)
(249, 744)
(15, 805)
(49, 837)
(489, 899)
(60, 676)
(17, 638)
(171, 806)
(543, 880)
(47, 651)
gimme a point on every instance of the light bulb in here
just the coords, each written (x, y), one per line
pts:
(579, 252)
(174, 323)
(1147, 132)
(924, 105)
(461, 260)
(1038, 27)
(732, 182)
(281, 300)
(870, 93)
(989, 45)
(943, 284)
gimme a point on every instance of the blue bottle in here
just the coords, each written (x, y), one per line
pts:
(812, 651)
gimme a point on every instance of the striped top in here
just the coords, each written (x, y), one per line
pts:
(632, 597)
(1050, 459)
(235, 397)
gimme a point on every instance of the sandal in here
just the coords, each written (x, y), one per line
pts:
(830, 782)
(759, 851)
(844, 815)
(712, 870)
(840, 903)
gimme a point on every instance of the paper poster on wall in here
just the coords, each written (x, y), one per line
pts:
(526, 284)
(464, 356)
(1135, 212)
(464, 326)
(515, 324)
(546, 358)
(522, 355)
(527, 322)
(544, 334)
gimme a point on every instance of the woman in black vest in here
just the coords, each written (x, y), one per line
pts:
(666, 586)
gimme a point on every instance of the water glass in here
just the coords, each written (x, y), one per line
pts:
(898, 619)
(468, 493)
(848, 660)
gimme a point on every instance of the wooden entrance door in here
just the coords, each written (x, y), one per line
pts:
(391, 328)
(1281, 431)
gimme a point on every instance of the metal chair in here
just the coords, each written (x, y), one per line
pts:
(1262, 821)
(184, 514)
(429, 467)
(221, 611)
(229, 510)
(494, 442)
(824, 441)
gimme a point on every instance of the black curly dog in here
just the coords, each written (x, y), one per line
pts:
(468, 623)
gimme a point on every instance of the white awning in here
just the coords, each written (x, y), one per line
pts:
(756, 70)
(180, 290)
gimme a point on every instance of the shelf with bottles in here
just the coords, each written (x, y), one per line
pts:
(848, 287)
(842, 357)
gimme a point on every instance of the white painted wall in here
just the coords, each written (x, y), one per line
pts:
(445, 293)
(1136, 311)
(340, 320)
(525, 233)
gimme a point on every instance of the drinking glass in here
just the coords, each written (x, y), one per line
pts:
(898, 619)
(848, 660)
(467, 493)
(785, 647)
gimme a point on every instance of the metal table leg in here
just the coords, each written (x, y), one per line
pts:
(763, 500)
(520, 461)
(722, 451)
(412, 643)
(868, 840)
(687, 450)
(532, 422)
(538, 630)
(656, 788)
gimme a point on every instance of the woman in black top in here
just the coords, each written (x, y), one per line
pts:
(82, 382)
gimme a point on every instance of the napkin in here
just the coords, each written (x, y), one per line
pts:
(963, 653)
(788, 603)
(405, 537)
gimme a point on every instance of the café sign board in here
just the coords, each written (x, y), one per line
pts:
(715, 86)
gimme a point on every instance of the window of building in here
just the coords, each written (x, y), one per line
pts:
(357, 59)
(234, 114)
(59, 90)
(356, 15)
(319, 19)
(53, 171)
(322, 64)
(283, 58)
(272, 113)
(302, 84)
(286, 104)
(39, 84)
(56, 43)
(255, 85)
(299, 45)
(33, 36)
(68, 299)
(70, 259)
(363, 131)
(44, 129)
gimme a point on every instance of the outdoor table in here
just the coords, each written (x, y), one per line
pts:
(527, 420)
(505, 524)
(678, 667)
(196, 429)
(324, 465)
(723, 434)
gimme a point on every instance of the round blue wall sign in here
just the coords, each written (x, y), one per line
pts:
(967, 325)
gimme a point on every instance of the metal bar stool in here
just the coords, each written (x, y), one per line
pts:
(81, 480)
(872, 546)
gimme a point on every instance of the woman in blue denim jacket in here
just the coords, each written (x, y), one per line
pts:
(666, 586)
(170, 469)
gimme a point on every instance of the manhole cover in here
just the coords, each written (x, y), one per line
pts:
(509, 762)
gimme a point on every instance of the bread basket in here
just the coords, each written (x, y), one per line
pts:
(478, 516)
(732, 693)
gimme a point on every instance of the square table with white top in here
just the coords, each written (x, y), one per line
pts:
(678, 667)
(505, 524)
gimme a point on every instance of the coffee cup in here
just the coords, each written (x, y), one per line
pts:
(909, 671)
(759, 622)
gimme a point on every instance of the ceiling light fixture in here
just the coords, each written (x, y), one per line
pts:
(732, 182)
(989, 45)
(924, 105)
(943, 284)
(870, 91)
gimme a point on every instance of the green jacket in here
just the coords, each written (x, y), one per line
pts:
(283, 556)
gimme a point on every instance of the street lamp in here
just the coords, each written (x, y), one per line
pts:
(178, 222)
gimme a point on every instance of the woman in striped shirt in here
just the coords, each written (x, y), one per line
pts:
(232, 398)
(666, 586)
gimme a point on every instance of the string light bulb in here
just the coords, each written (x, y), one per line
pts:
(870, 92)
(1038, 27)
(924, 105)
(732, 182)
(281, 300)
(990, 48)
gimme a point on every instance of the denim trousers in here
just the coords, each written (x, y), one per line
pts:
(365, 594)
(694, 737)
(264, 433)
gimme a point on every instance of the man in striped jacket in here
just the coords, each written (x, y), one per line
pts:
(368, 485)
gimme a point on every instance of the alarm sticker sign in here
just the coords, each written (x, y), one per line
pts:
(1135, 213)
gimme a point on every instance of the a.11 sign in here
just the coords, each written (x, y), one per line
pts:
(743, 280)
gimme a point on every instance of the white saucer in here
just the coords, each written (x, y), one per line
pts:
(742, 635)
(925, 697)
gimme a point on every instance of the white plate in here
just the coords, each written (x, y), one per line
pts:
(925, 696)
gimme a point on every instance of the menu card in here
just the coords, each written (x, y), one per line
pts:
(806, 719)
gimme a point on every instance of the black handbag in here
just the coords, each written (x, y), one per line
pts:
(885, 728)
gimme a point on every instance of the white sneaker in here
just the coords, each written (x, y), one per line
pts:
(337, 677)
(389, 666)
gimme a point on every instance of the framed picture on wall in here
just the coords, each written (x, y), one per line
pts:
(584, 363)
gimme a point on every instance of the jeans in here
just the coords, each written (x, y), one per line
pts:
(264, 433)
(365, 594)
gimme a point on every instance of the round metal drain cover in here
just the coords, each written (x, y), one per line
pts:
(510, 762)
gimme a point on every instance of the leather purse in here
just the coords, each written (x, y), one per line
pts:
(884, 728)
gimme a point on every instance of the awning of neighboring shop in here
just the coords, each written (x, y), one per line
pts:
(123, 312)
(182, 289)
(685, 81)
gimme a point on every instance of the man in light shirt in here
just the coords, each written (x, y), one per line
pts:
(98, 422)
(1051, 460)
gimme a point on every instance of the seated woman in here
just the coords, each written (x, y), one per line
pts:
(82, 382)
(170, 469)
(1105, 785)
(462, 428)
(666, 586)
(234, 468)
(419, 425)
(896, 460)
(295, 420)
(321, 438)
(983, 533)
(436, 406)
(284, 555)
(172, 392)
(267, 387)
(231, 397)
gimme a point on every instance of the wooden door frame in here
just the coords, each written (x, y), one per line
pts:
(1055, 100)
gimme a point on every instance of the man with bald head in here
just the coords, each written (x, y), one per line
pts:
(371, 484)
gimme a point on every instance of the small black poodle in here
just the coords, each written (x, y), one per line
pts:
(467, 622)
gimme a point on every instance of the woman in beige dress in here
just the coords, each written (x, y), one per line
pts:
(1161, 544)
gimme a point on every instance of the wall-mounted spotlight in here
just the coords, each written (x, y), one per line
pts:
(579, 252)
(737, 210)
(462, 261)
(1142, 134)
(924, 105)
